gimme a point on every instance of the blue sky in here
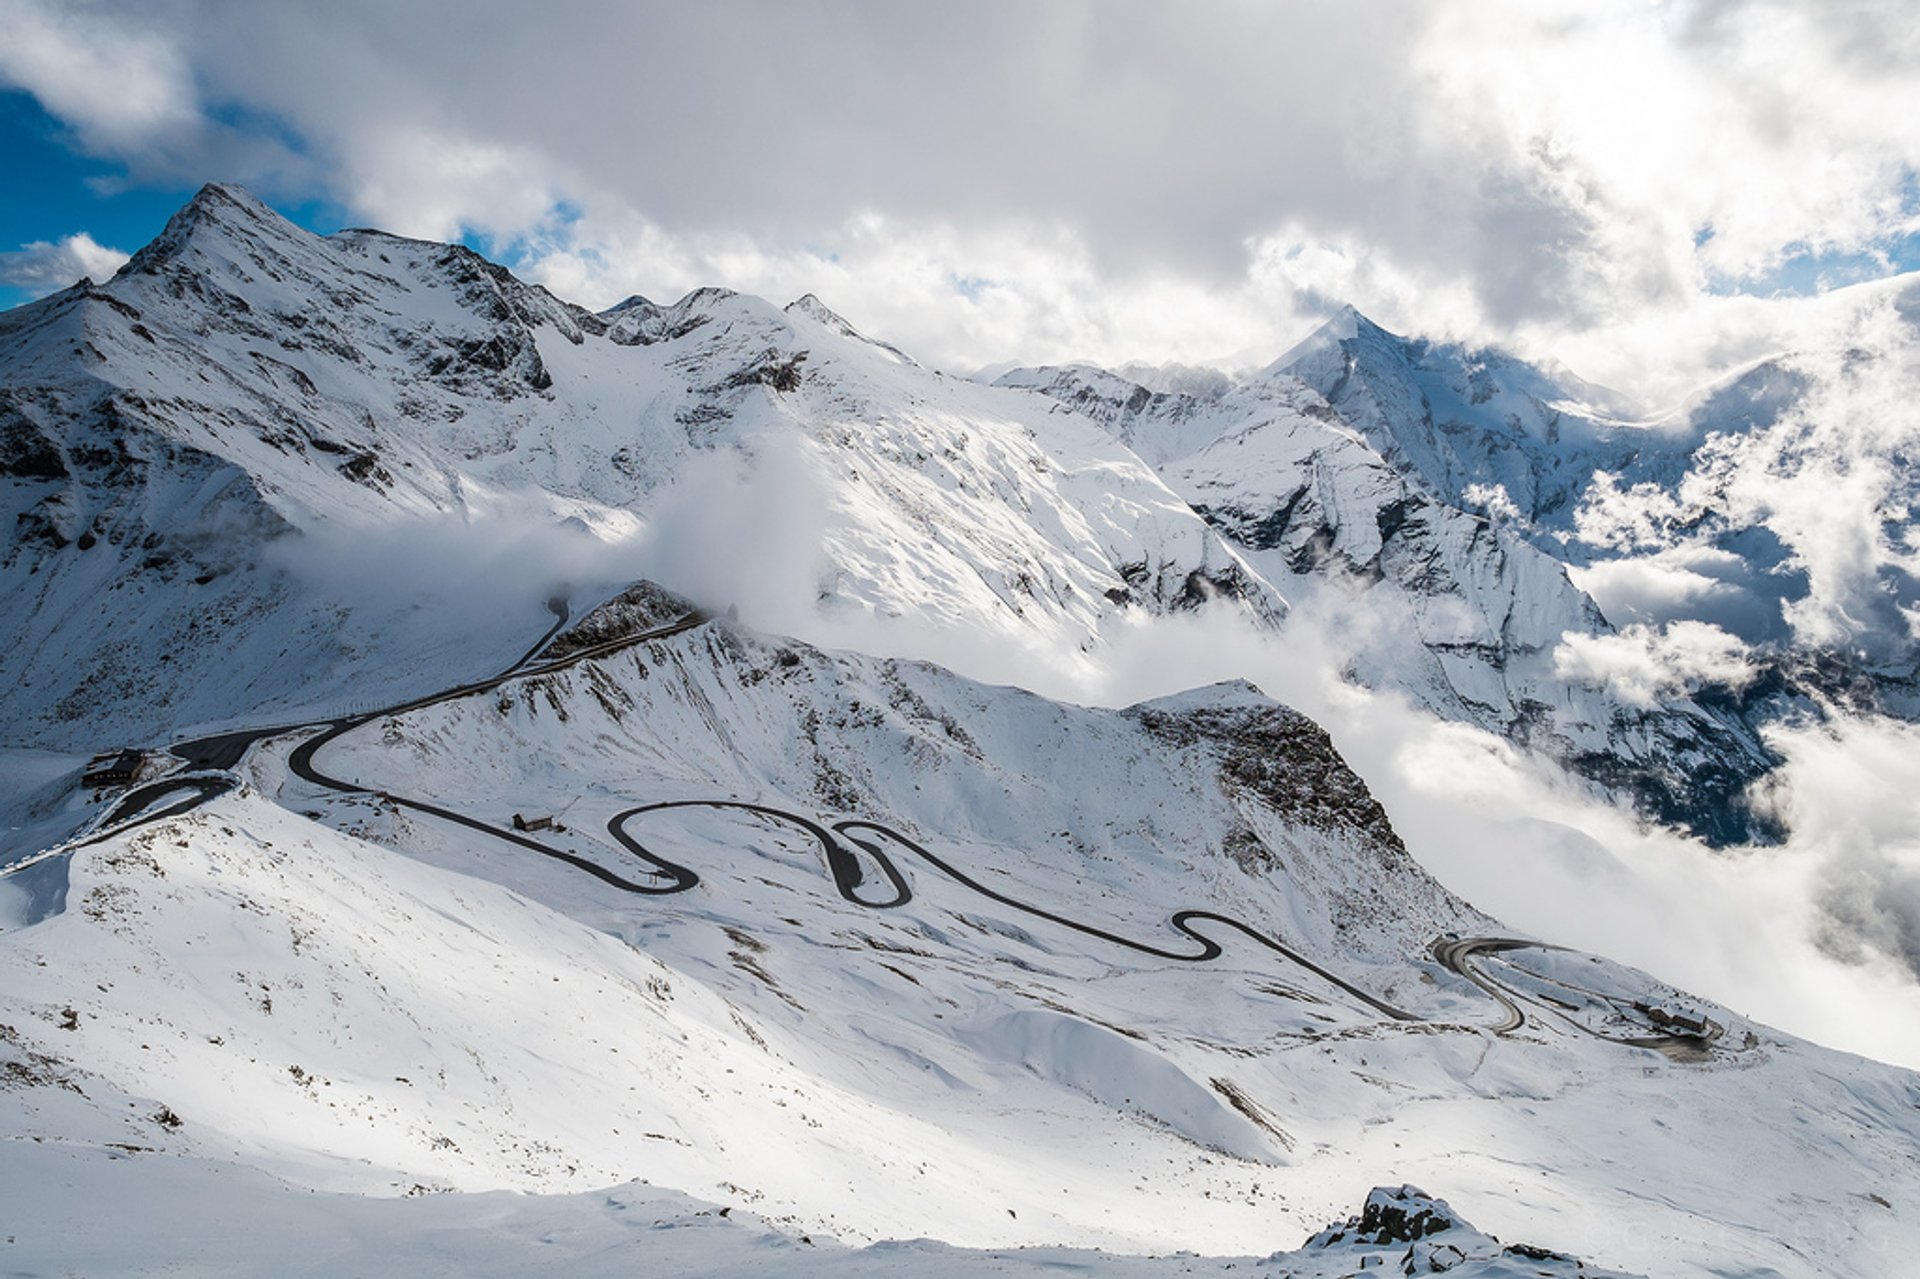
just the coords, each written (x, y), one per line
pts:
(54, 191)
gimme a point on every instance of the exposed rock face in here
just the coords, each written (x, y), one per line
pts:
(1405, 1231)
(1283, 758)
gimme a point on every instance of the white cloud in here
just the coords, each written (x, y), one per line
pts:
(1493, 499)
(122, 85)
(1851, 793)
(1645, 665)
(1834, 480)
(1121, 179)
(1826, 478)
(953, 298)
(412, 180)
(44, 266)
(1689, 581)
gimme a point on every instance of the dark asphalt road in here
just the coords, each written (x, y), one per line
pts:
(226, 750)
(1182, 921)
(302, 761)
(1457, 955)
(222, 752)
(664, 877)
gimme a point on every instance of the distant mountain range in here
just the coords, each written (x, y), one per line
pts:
(242, 385)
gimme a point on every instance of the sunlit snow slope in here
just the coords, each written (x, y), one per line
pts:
(344, 990)
(217, 463)
(850, 946)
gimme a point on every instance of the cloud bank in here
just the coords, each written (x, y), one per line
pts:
(1645, 665)
(1075, 179)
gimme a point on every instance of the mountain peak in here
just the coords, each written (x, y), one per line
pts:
(705, 297)
(1351, 322)
(632, 302)
(217, 196)
(231, 207)
(218, 209)
(1345, 325)
(811, 307)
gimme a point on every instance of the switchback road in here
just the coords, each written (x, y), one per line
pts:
(663, 877)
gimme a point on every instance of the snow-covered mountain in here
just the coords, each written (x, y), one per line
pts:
(1775, 505)
(489, 873)
(1478, 429)
(1454, 608)
(1637, 595)
(241, 381)
(923, 980)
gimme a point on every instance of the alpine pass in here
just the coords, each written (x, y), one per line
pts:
(833, 639)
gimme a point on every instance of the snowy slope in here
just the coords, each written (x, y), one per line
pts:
(165, 1220)
(1438, 601)
(250, 431)
(1776, 505)
(344, 991)
(1475, 428)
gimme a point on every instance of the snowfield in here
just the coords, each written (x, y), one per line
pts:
(345, 994)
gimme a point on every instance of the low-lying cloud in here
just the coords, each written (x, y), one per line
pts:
(45, 266)
(1815, 936)
(1645, 665)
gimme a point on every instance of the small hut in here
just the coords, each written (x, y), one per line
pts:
(114, 768)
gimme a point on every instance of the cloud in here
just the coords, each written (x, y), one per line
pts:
(742, 529)
(1833, 479)
(950, 296)
(1691, 581)
(43, 266)
(1493, 499)
(1851, 793)
(1644, 665)
(1554, 173)
(1817, 495)
(120, 83)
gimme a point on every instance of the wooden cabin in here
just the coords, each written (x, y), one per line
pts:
(114, 768)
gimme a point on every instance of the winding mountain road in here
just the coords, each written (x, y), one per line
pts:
(843, 865)
(1456, 955)
(664, 877)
